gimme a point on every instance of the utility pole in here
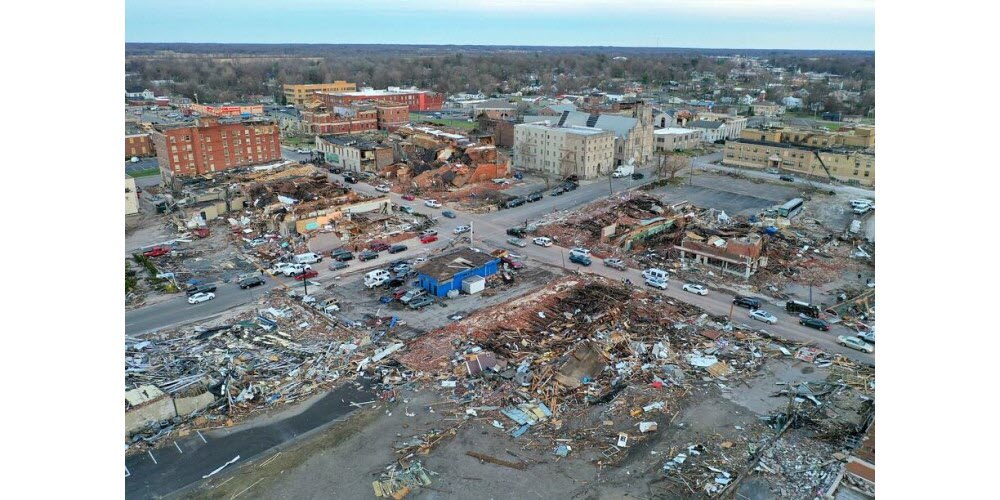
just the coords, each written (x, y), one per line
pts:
(611, 190)
(471, 232)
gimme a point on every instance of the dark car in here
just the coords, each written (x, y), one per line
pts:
(573, 178)
(747, 302)
(397, 248)
(419, 302)
(579, 258)
(558, 191)
(191, 290)
(367, 255)
(350, 180)
(397, 281)
(251, 282)
(409, 197)
(379, 246)
(815, 323)
(338, 265)
(449, 214)
(516, 202)
(571, 186)
(787, 178)
(533, 197)
(304, 275)
(336, 170)
(516, 232)
(341, 255)
(637, 176)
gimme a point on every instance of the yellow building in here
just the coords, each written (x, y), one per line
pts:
(131, 197)
(857, 137)
(841, 164)
(298, 94)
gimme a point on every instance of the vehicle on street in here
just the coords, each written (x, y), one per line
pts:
(379, 246)
(338, 265)
(430, 238)
(156, 252)
(514, 202)
(542, 241)
(306, 274)
(411, 294)
(516, 232)
(615, 263)
(397, 248)
(695, 288)
(449, 214)
(302, 151)
(862, 210)
(816, 323)
(409, 197)
(341, 255)
(787, 178)
(201, 297)
(558, 191)
(251, 282)
(637, 176)
(867, 336)
(350, 179)
(462, 229)
(855, 343)
(797, 307)
(420, 302)
(134, 159)
(533, 197)
(336, 170)
(433, 203)
(623, 170)
(428, 232)
(573, 178)
(571, 185)
(293, 269)
(196, 289)
(367, 255)
(656, 283)
(518, 242)
(773, 171)
(406, 209)
(307, 258)
(382, 188)
(654, 273)
(579, 250)
(762, 315)
(579, 258)
(747, 302)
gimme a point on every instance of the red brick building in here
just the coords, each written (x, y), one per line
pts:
(137, 142)
(341, 120)
(213, 146)
(416, 100)
(392, 115)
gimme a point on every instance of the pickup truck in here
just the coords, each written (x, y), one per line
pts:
(156, 252)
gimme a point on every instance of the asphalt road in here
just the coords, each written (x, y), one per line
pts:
(176, 310)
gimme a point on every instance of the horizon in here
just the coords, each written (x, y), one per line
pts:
(337, 44)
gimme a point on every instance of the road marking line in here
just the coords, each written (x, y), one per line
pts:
(151, 456)
(244, 491)
(270, 459)
(127, 473)
(202, 437)
(224, 482)
(178, 447)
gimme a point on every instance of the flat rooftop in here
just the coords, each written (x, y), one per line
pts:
(444, 267)
(673, 131)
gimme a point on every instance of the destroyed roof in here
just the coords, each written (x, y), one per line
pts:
(350, 140)
(445, 266)
(711, 125)
(618, 125)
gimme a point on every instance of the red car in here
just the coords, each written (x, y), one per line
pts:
(399, 292)
(156, 252)
(378, 247)
(309, 273)
(409, 197)
(430, 238)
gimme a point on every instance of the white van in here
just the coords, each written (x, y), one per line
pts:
(308, 258)
(580, 251)
(376, 278)
(655, 274)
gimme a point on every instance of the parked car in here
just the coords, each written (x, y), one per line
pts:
(379, 246)
(515, 202)
(430, 238)
(200, 297)
(816, 323)
(787, 178)
(397, 248)
(196, 289)
(579, 250)
(615, 263)
(695, 288)
(336, 170)
(762, 315)
(656, 283)
(406, 209)
(462, 229)
(516, 232)
(428, 232)
(156, 252)
(773, 171)
(350, 180)
(518, 242)
(251, 282)
(747, 302)
(401, 268)
(579, 258)
(542, 241)
(382, 188)
(411, 294)
(433, 203)
(637, 176)
(293, 269)
(304, 275)
(533, 197)
(367, 255)
(302, 151)
(867, 337)
(409, 197)
(558, 191)
(855, 343)
(341, 255)
(449, 214)
(571, 185)
(420, 302)
(573, 178)
(338, 265)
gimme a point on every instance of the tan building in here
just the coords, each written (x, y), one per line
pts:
(131, 196)
(857, 137)
(676, 138)
(843, 164)
(734, 124)
(563, 151)
(298, 94)
(770, 109)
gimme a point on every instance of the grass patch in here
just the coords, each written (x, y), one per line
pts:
(146, 172)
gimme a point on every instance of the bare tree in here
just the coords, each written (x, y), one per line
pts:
(669, 165)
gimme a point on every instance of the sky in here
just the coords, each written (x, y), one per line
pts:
(739, 24)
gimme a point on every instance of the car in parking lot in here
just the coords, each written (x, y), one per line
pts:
(855, 343)
(449, 214)
(251, 282)
(579, 258)
(397, 248)
(462, 229)
(762, 315)
(200, 297)
(411, 294)
(656, 283)
(306, 274)
(419, 302)
(816, 323)
(409, 197)
(542, 241)
(401, 268)
(350, 179)
(338, 265)
(867, 336)
(433, 203)
(533, 197)
(367, 255)
(379, 246)
(747, 302)
(430, 238)
(695, 288)
(615, 263)
(518, 242)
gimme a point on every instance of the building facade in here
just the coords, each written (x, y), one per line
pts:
(212, 146)
(341, 120)
(445, 273)
(353, 153)
(139, 144)
(586, 152)
(299, 94)
(769, 109)
(675, 139)
(131, 196)
(710, 131)
(855, 166)
(227, 110)
(502, 131)
(735, 125)
(629, 134)
(416, 100)
(391, 115)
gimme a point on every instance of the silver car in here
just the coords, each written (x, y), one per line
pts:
(855, 343)
(518, 242)
(762, 315)
(615, 264)
(695, 288)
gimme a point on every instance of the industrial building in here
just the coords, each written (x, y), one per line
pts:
(415, 99)
(299, 94)
(445, 273)
(213, 145)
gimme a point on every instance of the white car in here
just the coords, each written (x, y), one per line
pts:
(695, 288)
(579, 251)
(867, 337)
(201, 297)
(462, 229)
(293, 269)
(542, 241)
(433, 203)
(655, 283)
(855, 343)
(302, 151)
(762, 315)
(518, 242)
(382, 188)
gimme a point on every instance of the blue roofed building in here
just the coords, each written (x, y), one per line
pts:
(444, 273)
